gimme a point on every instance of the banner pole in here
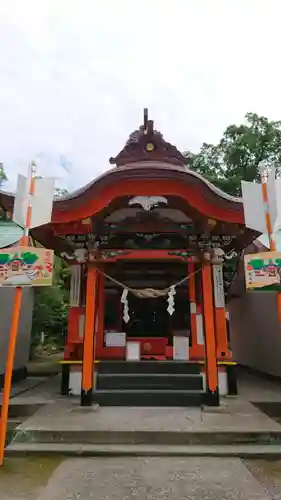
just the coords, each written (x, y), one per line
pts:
(264, 176)
(272, 242)
(24, 241)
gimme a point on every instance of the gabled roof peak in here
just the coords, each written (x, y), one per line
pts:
(146, 143)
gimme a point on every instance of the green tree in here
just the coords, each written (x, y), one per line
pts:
(50, 307)
(238, 154)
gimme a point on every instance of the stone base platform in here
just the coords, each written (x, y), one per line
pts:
(237, 427)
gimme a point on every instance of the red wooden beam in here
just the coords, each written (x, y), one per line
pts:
(108, 255)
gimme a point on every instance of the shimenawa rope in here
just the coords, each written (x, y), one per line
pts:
(148, 293)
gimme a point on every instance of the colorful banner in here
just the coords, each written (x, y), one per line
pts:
(26, 266)
(263, 271)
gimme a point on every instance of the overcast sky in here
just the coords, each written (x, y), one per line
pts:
(75, 76)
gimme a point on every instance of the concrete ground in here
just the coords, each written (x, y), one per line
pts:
(151, 479)
(140, 479)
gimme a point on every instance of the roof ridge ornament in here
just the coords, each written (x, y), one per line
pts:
(148, 202)
(148, 144)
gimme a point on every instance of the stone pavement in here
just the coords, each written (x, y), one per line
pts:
(153, 479)
(258, 389)
(36, 390)
(139, 479)
(25, 387)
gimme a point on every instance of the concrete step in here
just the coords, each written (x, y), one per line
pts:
(171, 381)
(149, 397)
(153, 438)
(74, 449)
(150, 366)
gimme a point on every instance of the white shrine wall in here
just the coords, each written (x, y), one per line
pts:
(255, 331)
(24, 332)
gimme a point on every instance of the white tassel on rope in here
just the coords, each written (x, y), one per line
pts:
(124, 301)
(171, 300)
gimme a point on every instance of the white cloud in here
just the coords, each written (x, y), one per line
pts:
(75, 76)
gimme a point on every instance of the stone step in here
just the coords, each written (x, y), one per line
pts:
(144, 381)
(149, 397)
(165, 438)
(150, 366)
(76, 449)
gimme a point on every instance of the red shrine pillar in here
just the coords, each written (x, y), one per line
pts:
(89, 337)
(212, 385)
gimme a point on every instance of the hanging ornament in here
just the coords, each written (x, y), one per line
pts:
(124, 296)
(124, 301)
(171, 300)
(126, 316)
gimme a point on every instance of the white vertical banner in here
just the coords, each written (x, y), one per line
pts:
(254, 210)
(278, 201)
(75, 286)
(21, 201)
(133, 351)
(218, 285)
(42, 203)
(181, 348)
(274, 200)
(200, 329)
(81, 326)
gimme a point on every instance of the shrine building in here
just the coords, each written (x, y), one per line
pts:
(146, 243)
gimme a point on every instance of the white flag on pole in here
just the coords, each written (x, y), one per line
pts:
(42, 201)
(254, 210)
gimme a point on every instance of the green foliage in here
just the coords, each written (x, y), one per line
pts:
(237, 156)
(51, 305)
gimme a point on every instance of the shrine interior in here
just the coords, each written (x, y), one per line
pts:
(148, 317)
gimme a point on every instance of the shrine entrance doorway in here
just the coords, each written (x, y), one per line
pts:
(149, 322)
(148, 318)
